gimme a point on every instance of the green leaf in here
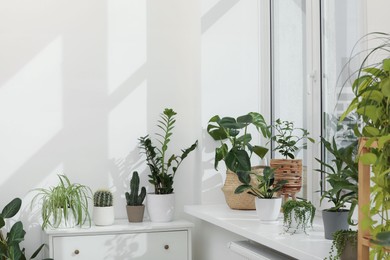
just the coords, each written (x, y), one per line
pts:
(229, 122)
(260, 151)
(37, 251)
(385, 87)
(242, 188)
(372, 131)
(16, 234)
(12, 208)
(245, 138)
(386, 65)
(238, 160)
(373, 95)
(2, 222)
(373, 71)
(369, 111)
(244, 177)
(246, 119)
(368, 158)
(382, 140)
(351, 107)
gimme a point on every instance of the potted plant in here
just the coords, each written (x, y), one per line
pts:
(371, 103)
(289, 140)
(344, 245)
(163, 168)
(298, 215)
(267, 206)
(64, 205)
(135, 207)
(236, 151)
(10, 241)
(341, 176)
(103, 210)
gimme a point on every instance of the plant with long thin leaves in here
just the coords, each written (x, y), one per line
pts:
(62, 202)
(163, 167)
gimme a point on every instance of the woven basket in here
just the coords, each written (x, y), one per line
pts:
(242, 201)
(290, 170)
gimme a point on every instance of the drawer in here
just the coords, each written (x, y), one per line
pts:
(146, 246)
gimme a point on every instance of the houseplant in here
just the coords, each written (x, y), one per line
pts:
(298, 215)
(344, 245)
(103, 210)
(135, 207)
(267, 206)
(342, 177)
(163, 168)
(64, 205)
(10, 241)
(236, 151)
(371, 88)
(288, 141)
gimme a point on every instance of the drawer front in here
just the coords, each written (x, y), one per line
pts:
(145, 246)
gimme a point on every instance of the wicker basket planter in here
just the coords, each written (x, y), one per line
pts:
(290, 170)
(242, 201)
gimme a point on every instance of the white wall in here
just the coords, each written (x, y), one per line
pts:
(377, 16)
(81, 80)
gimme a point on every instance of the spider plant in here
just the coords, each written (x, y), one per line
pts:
(63, 202)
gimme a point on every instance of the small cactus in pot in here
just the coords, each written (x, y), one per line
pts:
(134, 199)
(103, 210)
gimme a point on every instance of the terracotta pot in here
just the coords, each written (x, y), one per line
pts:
(242, 201)
(135, 213)
(290, 170)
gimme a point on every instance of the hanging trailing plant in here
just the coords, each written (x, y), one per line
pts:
(341, 239)
(301, 211)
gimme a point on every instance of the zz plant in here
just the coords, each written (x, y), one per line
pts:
(133, 198)
(10, 241)
(63, 203)
(236, 149)
(301, 211)
(163, 167)
(266, 186)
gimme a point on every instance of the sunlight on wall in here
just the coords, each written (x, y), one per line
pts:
(31, 108)
(126, 40)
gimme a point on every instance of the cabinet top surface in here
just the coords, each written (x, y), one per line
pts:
(302, 246)
(122, 226)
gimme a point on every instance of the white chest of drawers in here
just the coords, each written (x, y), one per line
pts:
(123, 240)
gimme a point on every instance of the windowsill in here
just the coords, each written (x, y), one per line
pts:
(246, 223)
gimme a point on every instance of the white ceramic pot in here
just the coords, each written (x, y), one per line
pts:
(62, 222)
(268, 209)
(103, 216)
(161, 207)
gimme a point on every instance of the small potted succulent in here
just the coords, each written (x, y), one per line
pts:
(103, 210)
(64, 205)
(341, 175)
(289, 140)
(236, 150)
(10, 241)
(344, 245)
(163, 168)
(135, 207)
(267, 206)
(298, 215)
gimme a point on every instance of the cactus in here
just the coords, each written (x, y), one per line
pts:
(133, 198)
(102, 198)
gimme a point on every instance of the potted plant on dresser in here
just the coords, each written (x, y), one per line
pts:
(298, 215)
(163, 168)
(135, 208)
(103, 210)
(267, 206)
(64, 205)
(289, 140)
(236, 151)
(341, 175)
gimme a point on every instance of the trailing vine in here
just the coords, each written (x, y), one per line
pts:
(302, 211)
(340, 240)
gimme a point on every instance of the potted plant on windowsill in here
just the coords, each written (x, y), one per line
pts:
(163, 168)
(289, 140)
(298, 215)
(65, 205)
(10, 241)
(236, 151)
(103, 210)
(344, 245)
(342, 177)
(135, 208)
(267, 206)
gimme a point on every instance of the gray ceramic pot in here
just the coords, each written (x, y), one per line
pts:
(333, 221)
(135, 213)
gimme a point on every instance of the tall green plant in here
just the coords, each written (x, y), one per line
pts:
(227, 130)
(10, 243)
(134, 198)
(62, 202)
(372, 104)
(162, 166)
